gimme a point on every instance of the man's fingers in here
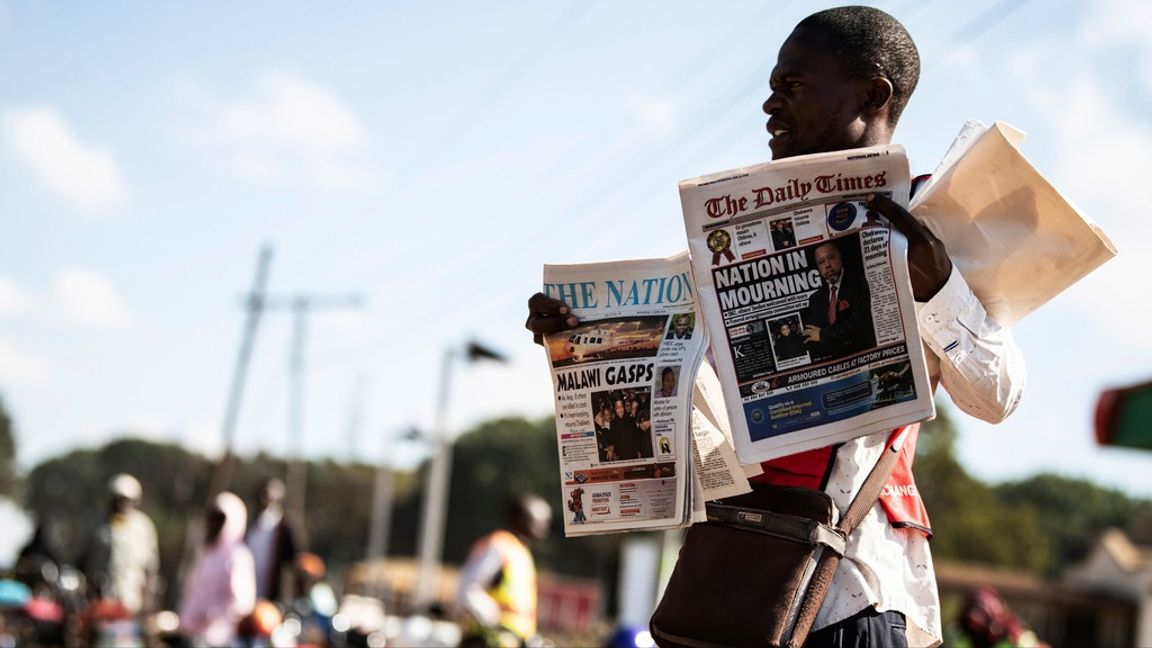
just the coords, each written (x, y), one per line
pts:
(547, 315)
(928, 264)
(541, 304)
(549, 324)
(898, 216)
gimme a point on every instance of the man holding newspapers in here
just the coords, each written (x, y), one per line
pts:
(841, 81)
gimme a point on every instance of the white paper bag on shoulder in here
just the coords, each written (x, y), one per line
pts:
(1016, 240)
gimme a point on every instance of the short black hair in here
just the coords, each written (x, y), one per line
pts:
(869, 42)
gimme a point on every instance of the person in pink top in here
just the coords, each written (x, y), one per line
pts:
(221, 589)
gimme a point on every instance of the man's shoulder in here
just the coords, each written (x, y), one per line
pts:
(138, 518)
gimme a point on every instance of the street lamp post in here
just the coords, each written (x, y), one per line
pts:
(435, 502)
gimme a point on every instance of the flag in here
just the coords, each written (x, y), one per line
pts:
(1124, 417)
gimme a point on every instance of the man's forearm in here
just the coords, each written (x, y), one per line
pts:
(980, 364)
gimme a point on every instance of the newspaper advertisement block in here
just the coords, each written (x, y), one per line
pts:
(623, 384)
(806, 295)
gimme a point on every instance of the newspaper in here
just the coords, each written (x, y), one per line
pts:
(623, 382)
(1017, 241)
(807, 298)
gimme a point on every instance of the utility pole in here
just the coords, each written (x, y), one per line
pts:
(222, 474)
(434, 509)
(254, 303)
(381, 516)
(355, 418)
(301, 307)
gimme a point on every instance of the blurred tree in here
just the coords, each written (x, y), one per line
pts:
(970, 522)
(1038, 523)
(9, 477)
(503, 457)
(1074, 512)
(70, 494)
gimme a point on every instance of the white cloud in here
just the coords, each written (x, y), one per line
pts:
(19, 367)
(83, 173)
(1121, 24)
(13, 301)
(283, 129)
(90, 299)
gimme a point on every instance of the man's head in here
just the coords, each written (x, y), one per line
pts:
(841, 81)
(829, 262)
(785, 330)
(619, 408)
(528, 516)
(225, 519)
(124, 491)
(270, 493)
(667, 382)
(683, 324)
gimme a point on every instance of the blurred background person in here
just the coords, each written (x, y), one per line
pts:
(497, 588)
(221, 588)
(38, 560)
(122, 559)
(985, 621)
(274, 542)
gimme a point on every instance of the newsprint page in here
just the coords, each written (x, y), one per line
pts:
(806, 295)
(623, 380)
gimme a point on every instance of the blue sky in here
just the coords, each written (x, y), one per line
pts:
(432, 156)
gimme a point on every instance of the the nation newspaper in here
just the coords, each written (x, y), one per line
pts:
(623, 387)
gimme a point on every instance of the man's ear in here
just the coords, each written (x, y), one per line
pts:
(877, 95)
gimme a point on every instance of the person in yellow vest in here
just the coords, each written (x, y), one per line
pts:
(497, 587)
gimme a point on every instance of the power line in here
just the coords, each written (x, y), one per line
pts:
(978, 26)
(478, 108)
(656, 159)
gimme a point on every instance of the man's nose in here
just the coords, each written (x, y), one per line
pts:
(771, 104)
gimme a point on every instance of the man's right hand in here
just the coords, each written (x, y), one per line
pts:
(547, 315)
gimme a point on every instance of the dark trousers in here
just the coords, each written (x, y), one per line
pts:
(866, 629)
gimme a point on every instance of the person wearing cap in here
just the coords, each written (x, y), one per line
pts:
(123, 559)
(221, 589)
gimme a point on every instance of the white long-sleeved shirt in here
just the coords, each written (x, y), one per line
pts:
(472, 588)
(982, 369)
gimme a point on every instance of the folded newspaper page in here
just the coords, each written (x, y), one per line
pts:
(806, 295)
(1017, 241)
(708, 399)
(623, 384)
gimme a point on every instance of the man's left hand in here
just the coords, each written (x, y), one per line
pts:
(928, 262)
(811, 333)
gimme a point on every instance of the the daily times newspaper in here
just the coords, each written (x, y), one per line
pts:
(805, 293)
(623, 383)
